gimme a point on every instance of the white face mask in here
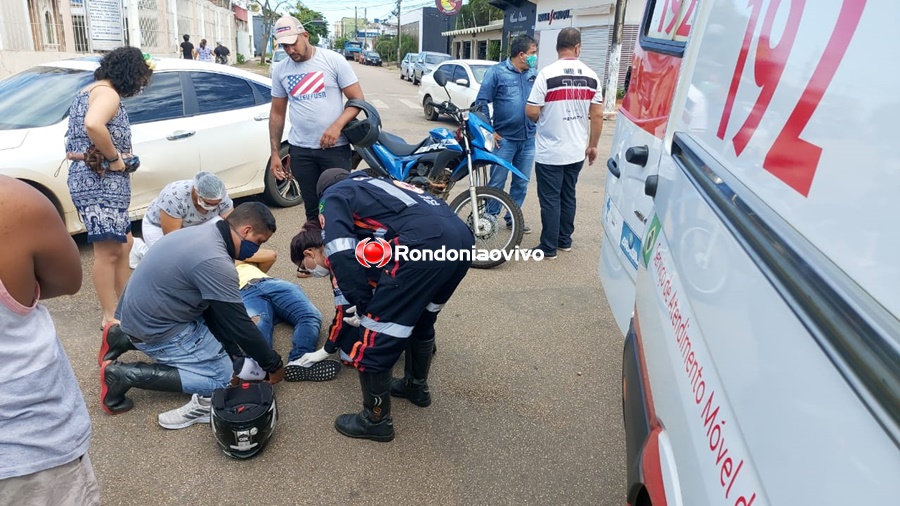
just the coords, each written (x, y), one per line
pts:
(320, 272)
(205, 206)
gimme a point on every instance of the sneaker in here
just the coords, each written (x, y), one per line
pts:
(547, 256)
(525, 228)
(325, 370)
(568, 248)
(195, 411)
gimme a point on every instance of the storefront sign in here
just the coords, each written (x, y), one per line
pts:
(448, 7)
(106, 25)
(550, 17)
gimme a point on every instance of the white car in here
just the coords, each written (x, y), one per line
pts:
(463, 82)
(277, 56)
(192, 116)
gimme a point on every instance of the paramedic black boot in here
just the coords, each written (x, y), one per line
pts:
(374, 421)
(414, 384)
(117, 379)
(113, 343)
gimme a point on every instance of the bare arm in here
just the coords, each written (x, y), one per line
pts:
(277, 112)
(48, 258)
(103, 104)
(596, 113)
(334, 131)
(264, 259)
(533, 112)
(169, 223)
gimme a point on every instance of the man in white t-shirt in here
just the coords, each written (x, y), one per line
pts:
(313, 82)
(565, 99)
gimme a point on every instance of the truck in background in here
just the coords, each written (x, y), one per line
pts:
(750, 254)
(352, 49)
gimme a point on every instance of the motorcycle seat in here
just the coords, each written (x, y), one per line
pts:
(397, 145)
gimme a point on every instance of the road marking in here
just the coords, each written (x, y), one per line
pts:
(407, 103)
(379, 104)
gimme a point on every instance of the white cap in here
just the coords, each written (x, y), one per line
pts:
(287, 28)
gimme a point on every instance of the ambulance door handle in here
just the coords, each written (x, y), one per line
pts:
(613, 167)
(638, 155)
(650, 185)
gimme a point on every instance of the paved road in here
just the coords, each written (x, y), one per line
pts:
(526, 388)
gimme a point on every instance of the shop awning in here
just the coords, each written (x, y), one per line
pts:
(496, 25)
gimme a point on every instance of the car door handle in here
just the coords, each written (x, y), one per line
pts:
(261, 116)
(613, 167)
(180, 134)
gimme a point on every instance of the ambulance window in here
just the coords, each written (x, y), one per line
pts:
(667, 24)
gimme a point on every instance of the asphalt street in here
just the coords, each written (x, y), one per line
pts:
(526, 387)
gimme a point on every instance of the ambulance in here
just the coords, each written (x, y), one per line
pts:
(751, 255)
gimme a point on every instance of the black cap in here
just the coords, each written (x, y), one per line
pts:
(328, 178)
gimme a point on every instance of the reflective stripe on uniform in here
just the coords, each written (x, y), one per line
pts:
(391, 329)
(393, 191)
(340, 244)
(379, 233)
(340, 300)
(434, 308)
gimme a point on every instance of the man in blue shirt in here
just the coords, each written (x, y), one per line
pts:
(507, 85)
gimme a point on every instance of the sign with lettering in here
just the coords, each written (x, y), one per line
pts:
(550, 17)
(106, 26)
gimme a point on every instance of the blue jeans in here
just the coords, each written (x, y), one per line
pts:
(199, 357)
(275, 301)
(521, 155)
(556, 193)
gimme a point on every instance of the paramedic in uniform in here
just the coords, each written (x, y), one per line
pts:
(399, 315)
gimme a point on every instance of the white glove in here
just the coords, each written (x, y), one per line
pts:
(311, 358)
(352, 320)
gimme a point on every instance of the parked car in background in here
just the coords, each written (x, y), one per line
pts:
(192, 116)
(406, 66)
(277, 56)
(463, 82)
(371, 58)
(425, 63)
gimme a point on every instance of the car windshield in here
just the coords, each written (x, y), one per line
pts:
(39, 97)
(373, 53)
(478, 71)
(278, 56)
(436, 58)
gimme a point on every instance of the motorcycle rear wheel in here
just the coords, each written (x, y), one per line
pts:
(495, 234)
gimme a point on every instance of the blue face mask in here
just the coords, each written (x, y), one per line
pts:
(248, 249)
(531, 60)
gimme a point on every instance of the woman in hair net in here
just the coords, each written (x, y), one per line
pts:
(182, 204)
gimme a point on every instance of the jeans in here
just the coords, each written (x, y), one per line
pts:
(199, 357)
(521, 155)
(276, 300)
(308, 164)
(556, 193)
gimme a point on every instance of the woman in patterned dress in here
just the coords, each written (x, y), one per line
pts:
(97, 117)
(204, 52)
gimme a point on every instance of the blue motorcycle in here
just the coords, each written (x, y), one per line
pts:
(444, 158)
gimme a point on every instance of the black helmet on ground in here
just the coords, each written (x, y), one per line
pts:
(363, 132)
(243, 418)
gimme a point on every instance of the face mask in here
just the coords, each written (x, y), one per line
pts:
(248, 249)
(531, 60)
(207, 207)
(320, 272)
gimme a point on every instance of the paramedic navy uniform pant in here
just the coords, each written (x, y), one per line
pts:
(405, 305)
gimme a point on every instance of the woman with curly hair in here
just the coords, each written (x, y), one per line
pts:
(97, 117)
(204, 52)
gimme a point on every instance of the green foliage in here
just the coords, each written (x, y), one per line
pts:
(477, 13)
(387, 47)
(240, 58)
(313, 22)
(339, 43)
(493, 52)
(620, 94)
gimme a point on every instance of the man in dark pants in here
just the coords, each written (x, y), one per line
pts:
(313, 82)
(399, 315)
(565, 99)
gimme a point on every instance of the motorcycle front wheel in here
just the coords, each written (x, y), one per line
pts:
(494, 232)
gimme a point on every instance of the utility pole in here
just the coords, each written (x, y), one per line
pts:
(365, 27)
(615, 54)
(355, 24)
(399, 56)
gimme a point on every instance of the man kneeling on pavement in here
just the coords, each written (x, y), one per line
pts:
(182, 307)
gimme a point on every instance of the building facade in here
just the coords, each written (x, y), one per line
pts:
(427, 26)
(478, 43)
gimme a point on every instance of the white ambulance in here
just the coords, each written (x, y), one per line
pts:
(752, 253)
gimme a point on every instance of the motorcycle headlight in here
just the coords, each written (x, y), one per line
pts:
(488, 138)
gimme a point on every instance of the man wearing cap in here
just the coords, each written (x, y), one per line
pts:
(181, 204)
(313, 82)
(400, 313)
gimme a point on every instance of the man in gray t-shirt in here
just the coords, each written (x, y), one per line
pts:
(181, 306)
(313, 82)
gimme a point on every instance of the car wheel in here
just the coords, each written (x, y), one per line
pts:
(284, 193)
(431, 113)
(415, 80)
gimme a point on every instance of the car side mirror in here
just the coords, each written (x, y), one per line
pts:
(440, 78)
(463, 82)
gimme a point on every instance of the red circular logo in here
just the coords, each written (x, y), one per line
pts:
(448, 7)
(373, 252)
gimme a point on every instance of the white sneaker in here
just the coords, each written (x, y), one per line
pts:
(137, 253)
(195, 411)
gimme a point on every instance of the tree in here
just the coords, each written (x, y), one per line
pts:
(477, 13)
(339, 43)
(269, 12)
(313, 21)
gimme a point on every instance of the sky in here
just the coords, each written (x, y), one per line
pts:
(334, 10)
